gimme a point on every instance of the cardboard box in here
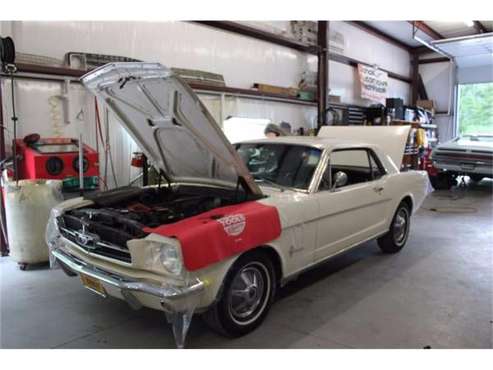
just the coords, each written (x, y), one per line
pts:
(288, 91)
(427, 104)
(334, 99)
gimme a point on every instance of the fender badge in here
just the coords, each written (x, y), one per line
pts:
(234, 224)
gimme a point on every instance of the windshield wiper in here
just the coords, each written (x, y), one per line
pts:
(270, 182)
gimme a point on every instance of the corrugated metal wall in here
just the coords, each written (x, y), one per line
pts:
(241, 60)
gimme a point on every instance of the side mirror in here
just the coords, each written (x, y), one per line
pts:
(340, 179)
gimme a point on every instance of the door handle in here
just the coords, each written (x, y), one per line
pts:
(378, 189)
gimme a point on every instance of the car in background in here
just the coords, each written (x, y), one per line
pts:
(226, 227)
(470, 154)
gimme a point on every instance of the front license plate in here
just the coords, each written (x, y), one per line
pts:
(94, 285)
(466, 166)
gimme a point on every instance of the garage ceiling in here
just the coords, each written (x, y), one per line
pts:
(452, 29)
(403, 30)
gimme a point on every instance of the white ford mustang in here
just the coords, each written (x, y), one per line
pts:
(227, 226)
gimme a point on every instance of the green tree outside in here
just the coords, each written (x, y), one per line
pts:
(476, 108)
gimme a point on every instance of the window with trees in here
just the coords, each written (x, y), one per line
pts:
(475, 108)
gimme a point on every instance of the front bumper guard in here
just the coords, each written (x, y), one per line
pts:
(168, 295)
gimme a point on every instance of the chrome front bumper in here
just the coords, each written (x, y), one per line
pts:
(171, 297)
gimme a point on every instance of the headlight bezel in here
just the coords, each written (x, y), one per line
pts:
(150, 252)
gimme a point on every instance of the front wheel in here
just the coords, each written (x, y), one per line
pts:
(396, 237)
(443, 181)
(476, 178)
(247, 295)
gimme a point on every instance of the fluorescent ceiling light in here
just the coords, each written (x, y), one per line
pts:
(469, 23)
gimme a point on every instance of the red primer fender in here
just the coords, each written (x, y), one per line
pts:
(222, 232)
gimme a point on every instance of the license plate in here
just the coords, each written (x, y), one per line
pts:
(466, 166)
(94, 285)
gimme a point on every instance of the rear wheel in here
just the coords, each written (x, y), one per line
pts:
(247, 295)
(396, 237)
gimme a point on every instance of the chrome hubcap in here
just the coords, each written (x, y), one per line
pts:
(400, 226)
(247, 292)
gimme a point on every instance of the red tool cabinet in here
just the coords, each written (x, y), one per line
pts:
(55, 158)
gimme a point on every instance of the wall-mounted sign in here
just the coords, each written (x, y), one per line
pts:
(374, 83)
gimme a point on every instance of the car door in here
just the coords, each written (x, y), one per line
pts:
(356, 211)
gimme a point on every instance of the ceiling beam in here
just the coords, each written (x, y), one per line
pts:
(382, 35)
(256, 33)
(480, 28)
(421, 50)
(343, 59)
(423, 27)
(434, 60)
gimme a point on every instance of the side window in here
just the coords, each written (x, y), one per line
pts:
(351, 166)
(282, 164)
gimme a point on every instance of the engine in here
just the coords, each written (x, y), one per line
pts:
(122, 214)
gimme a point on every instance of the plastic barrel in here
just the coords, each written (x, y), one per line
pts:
(27, 208)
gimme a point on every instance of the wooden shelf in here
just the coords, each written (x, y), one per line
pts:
(33, 70)
(425, 125)
(414, 124)
(200, 87)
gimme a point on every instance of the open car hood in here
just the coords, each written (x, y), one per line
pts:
(392, 139)
(169, 123)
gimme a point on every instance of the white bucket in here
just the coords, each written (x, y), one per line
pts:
(27, 208)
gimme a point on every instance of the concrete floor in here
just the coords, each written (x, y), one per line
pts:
(437, 292)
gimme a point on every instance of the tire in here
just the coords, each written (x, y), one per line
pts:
(476, 178)
(395, 239)
(234, 315)
(442, 181)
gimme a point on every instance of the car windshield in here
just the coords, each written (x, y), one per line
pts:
(283, 165)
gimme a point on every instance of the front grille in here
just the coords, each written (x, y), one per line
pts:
(94, 237)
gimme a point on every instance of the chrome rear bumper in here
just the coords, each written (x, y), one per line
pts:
(169, 295)
(464, 168)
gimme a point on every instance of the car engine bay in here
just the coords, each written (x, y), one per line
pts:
(122, 214)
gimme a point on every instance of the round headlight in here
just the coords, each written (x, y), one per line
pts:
(169, 257)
